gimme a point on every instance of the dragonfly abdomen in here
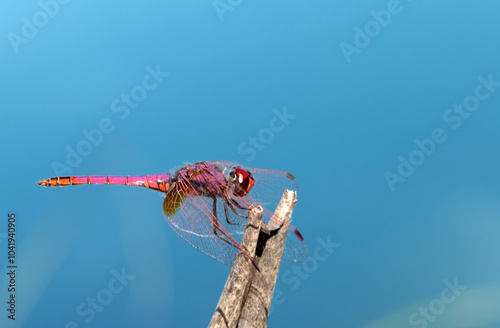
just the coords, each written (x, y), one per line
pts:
(159, 182)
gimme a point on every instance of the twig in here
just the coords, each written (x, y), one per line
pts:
(247, 295)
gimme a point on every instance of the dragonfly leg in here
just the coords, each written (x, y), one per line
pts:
(226, 213)
(216, 224)
(216, 227)
(238, 205)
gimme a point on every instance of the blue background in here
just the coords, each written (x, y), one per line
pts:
(397, 251)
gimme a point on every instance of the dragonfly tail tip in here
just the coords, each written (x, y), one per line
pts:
(42, 183)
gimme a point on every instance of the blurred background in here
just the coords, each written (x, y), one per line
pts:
(386, 112)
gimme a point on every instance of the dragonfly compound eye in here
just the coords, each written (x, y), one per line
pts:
(243, 182)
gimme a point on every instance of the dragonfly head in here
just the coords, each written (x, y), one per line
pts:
(242, 181)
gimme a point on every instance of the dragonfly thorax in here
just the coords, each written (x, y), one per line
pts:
(201, 179)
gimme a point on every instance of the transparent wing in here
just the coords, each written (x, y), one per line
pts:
(269, 184)
(201, 224)
(267, 192)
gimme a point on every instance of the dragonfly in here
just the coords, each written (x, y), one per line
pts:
(208, 203)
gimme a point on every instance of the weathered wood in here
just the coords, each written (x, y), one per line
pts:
(258, 302)
(247, 295)
(232, 298)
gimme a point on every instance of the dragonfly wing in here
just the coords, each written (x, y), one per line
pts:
(195, 223)
(267, 192)
(232, 218)
(269, 184)
(295, 247)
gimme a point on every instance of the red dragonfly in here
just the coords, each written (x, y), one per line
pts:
(207, 203)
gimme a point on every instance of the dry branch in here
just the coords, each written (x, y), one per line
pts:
(247, 295)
